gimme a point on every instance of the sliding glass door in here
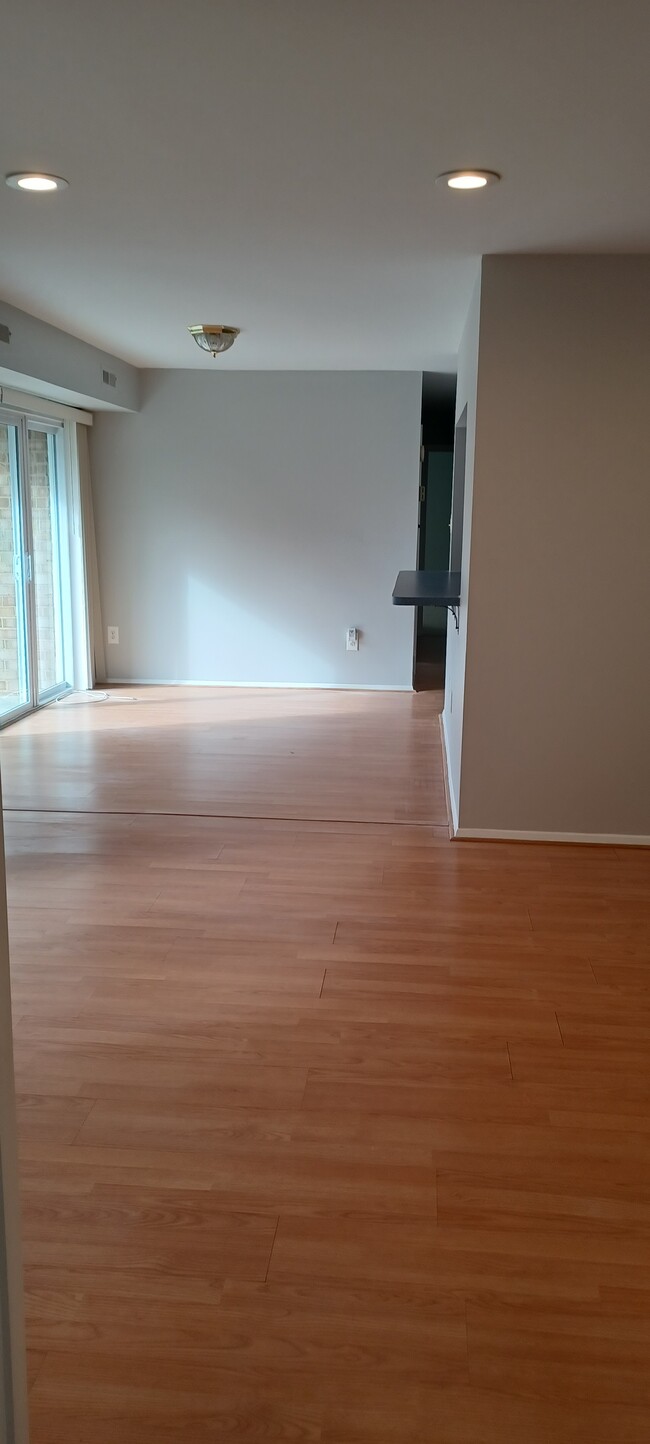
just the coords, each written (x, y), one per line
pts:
(49, 573)
(35, 608)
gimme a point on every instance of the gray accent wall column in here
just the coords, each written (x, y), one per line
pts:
(554, 684)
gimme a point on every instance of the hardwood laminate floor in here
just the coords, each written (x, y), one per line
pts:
(341, 756)
(331, 1130)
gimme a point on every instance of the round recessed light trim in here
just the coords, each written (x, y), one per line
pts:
(35, 181)
(468, 180)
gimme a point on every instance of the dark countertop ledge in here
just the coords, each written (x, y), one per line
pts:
(427, 589)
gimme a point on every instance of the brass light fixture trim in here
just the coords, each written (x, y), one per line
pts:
(214, 339)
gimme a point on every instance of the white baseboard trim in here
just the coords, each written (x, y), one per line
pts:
(602, 839)
(255, 686)
(449, 788)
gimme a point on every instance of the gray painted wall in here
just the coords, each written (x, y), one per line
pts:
(557, 683)
(41, 358)
(245, 520)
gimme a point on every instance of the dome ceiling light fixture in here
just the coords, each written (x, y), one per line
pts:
(27, 180)
(214, 339)
(468, 180)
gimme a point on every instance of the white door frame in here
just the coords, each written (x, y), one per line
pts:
(13, 1364)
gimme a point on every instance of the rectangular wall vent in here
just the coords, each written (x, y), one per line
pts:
(5, 334)
(109, 378)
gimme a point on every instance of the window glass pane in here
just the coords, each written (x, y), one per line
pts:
(14, 688)
(46, 560)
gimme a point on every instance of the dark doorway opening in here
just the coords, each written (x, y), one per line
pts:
(434, 526)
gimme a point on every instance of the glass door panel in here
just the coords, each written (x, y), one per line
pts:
(15, 687)
(47, 570)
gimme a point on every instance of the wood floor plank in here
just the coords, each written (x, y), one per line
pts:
(471, 1202)
(482, 1416)
(161, 1398)
(47, 1117)
(575, 1351)
(106, 1070)
(300, 1334)
(148, 1229)
(35, 1361)
(397, 1250)
(383, 1050)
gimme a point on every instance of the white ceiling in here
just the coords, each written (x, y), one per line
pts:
(271, 164)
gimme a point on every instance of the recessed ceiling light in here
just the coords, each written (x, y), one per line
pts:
(468, 180)
(25, 180)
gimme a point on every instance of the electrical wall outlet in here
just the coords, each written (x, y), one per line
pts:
(113, 636)
(352, 639)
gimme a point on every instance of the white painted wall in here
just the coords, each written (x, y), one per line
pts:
(556, 724)
(466, 397)
(13, 1383)
(245, 520)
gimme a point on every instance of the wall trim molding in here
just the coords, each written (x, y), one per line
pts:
(452, 805)
(252, 686)
(42, 407)
(601, 839)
